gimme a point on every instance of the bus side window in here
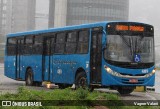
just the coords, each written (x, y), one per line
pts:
(71, 43)
(21, 46)
(38, 45)
(60, 43)
(28, 45)
(52, 44)
(83, 42)
(11, 46)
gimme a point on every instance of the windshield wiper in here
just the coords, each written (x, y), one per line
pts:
(138, 45)
(125, 41)
(129, 44)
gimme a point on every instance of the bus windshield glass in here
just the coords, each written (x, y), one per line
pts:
(127, 47)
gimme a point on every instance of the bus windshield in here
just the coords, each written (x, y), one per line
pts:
(124, 48)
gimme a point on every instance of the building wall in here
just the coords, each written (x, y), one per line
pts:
(20, 15)
(60, 13)
(42, 14)
(15, 16)
(87, 11)
(1, 18)
(51, 13)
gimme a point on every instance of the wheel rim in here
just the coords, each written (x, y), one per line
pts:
(82, 82)
(29, 79)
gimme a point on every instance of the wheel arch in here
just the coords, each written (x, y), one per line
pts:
(27, 72)
(80, 69)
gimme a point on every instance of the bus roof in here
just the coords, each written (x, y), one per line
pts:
(103, 24)
(57, 29)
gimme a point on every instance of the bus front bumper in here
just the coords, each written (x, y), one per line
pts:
(110, 80)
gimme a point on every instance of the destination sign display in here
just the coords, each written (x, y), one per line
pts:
(131, 28)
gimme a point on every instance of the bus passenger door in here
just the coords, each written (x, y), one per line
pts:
(19, 49)
(96, 58)
(48, 59)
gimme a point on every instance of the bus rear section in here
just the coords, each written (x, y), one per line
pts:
(128, 58)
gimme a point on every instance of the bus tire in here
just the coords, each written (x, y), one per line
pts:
(29, 78)
(91, 88)
(63, 86)
(125, 90)
(37, 83)
(81, 80)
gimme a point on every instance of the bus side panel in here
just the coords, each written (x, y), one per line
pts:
(46, 69)
(65, 68)
(35, 62)
(10, 67)
(22, 69)
(37, 68)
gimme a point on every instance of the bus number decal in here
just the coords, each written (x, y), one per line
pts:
(87, 64)
(145, 71)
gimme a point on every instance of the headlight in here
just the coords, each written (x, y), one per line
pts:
(154, 71)
(150, 74)
(110, 71)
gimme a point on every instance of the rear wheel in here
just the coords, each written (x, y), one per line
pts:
(29, 78)
(30, 81)
(91, 88)
(81, 80)
(125, 90)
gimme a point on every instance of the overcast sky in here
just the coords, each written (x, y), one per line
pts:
(147, 11)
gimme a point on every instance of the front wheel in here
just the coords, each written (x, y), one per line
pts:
(63, 86)
(125, 90)
(81, 80)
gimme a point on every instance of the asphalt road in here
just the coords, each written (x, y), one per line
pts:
(135, 95)
(7, 84)
(11, 86)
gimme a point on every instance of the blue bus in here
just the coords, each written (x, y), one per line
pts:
(118, 55)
